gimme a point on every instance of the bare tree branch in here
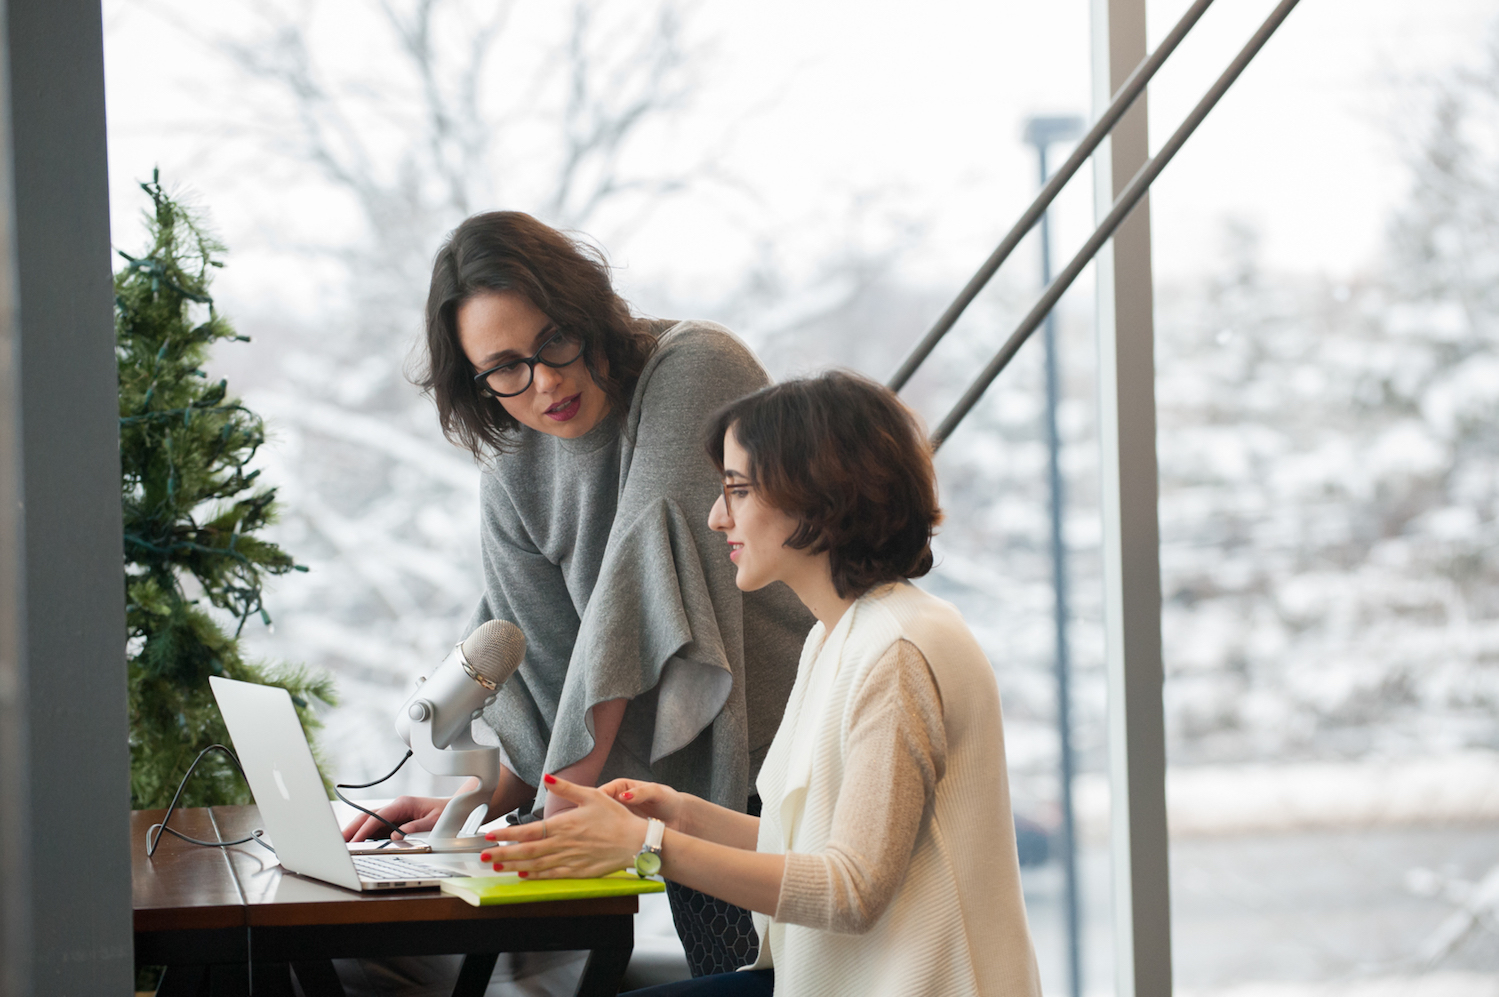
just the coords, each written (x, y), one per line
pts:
(329, 139)
(612, 80)
(651, 80)
(456, 133)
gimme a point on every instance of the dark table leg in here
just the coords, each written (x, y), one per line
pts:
(318, 978)
(229, 980)
(605, 969)
(272, 979)
(473, 978)
(183, 981)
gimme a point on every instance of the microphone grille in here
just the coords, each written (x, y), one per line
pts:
(494, 650)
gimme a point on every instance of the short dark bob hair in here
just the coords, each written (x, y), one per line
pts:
(841, 454)
(566, 279)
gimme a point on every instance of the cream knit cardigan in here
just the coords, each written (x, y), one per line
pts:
(956, 925)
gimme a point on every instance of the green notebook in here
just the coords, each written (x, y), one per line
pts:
(487, 891)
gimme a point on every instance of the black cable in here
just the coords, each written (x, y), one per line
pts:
(151, 843)
(395, 828)
(366, 785)
(258, 834)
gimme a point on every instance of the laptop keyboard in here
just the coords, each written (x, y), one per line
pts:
(378, 867)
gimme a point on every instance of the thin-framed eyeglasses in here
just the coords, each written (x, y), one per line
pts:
(733, 490)
(513, 377)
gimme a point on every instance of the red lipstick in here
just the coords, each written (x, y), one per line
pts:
(564, 410)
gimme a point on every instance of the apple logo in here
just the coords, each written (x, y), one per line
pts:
(281, 784)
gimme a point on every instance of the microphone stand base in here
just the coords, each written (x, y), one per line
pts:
(472, 843)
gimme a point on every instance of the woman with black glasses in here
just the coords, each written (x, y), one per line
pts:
(643, 660)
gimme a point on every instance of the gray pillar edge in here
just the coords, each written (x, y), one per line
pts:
(1131, 535)
(15, 936)
(65, 918)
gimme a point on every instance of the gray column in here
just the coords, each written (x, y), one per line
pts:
(1131, 555)
(64, 762)
(15, 936)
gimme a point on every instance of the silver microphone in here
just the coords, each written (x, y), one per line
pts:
(457, 692)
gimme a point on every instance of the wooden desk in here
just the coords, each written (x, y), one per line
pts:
(214, 916)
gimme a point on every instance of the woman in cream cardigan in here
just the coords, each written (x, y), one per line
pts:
(884, 862)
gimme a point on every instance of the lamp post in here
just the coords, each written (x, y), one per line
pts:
(1042, 132)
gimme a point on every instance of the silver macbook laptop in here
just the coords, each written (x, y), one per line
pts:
(293, 803)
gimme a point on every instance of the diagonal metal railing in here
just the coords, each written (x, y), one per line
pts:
(1123, 205)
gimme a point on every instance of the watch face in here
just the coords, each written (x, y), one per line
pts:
(648, 863)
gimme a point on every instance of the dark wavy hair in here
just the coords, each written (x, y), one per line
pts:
(566, 279)
(843, 456)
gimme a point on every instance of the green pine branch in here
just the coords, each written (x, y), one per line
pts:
(192, 507)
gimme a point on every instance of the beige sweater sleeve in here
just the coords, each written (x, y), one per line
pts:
(896, 753)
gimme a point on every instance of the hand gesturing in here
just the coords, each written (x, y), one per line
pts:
(598, 836)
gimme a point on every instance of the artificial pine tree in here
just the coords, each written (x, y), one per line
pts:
(191, 511)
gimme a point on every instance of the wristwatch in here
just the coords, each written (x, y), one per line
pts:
(648, 859)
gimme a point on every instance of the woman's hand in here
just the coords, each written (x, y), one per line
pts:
(650, 799)
(598, 836)
(420, 813)
(411, 813)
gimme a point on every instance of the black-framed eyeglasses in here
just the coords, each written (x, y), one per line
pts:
(729, 488)
(513, 377)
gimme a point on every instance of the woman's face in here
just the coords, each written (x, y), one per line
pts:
(501, 325)
(756, 531)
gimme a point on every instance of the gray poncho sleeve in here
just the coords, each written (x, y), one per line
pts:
(663, 624)
(524, 587)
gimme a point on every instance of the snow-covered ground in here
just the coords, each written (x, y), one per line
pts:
(1442, 984)
(1457, 787)
(1324, 913)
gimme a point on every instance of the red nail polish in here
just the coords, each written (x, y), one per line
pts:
(499, 867)
(548, 779)
(522, 874)
(628, 796)
(483, 856)
(489, 836)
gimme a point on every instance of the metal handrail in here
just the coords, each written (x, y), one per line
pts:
(1123, 205)
(1123, 100)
